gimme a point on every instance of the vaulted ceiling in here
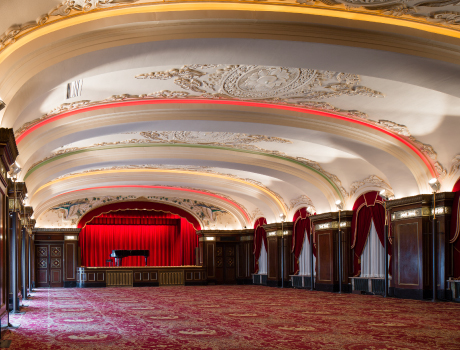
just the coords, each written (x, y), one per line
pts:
(230, 110)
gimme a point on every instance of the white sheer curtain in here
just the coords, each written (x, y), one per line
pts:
(372, 259)
(263, 260)
(304, 259)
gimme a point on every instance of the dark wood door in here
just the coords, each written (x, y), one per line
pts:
(42, 266)
(48, 265)
(226, 263)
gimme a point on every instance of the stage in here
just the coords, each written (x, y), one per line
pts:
(140, 276)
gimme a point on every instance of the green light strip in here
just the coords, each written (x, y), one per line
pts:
(38, 166)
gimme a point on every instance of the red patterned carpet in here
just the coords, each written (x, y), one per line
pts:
(230, 317)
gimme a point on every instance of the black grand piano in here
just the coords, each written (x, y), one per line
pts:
(120, 254)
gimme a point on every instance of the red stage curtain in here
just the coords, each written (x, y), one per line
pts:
(171, 239)
(163, 241)
(455, 230)
(259, 235)
(301, 224)
(367, 207)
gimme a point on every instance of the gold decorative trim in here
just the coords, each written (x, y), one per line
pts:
(332, 225)
(419, 212)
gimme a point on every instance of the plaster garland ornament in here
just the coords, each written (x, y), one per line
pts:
(302, 200)
(69, 213)
(370, 181)
(255, 214)
(448, 16)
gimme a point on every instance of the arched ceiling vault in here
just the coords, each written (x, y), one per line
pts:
(230, 110)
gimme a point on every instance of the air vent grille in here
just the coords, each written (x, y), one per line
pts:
(74, 88)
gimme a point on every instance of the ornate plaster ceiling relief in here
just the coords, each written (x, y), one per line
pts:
(408, 9)
(303, 201)
(249, 82)
(370, 181)
(455, 167)
(69, 213)
(181, 168)
(435, 12)
(255, 214)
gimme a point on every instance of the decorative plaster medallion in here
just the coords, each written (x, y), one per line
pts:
(254, 82)
(370, 181)
(243, 82)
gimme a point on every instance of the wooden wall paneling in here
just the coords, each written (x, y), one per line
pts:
(70, 263)
(3, 260)
(32, 263)
(8, 155)
(210, 259)
(325, 253)
(289, 258)
(408, 255)
(273, 259)
(412, 245)
(230, 263)
(327, 249)
(219, 269)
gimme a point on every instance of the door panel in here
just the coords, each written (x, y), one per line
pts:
(49, 265)
(225, 263)
(41, 265)
(56, 265)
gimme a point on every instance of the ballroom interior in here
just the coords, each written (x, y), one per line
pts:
(215, 170)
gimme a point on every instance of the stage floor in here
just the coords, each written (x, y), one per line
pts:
(230, 317)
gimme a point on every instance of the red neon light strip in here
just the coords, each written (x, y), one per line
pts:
(227, 102)
(164, 188)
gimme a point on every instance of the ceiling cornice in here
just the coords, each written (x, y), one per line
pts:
(406, 14)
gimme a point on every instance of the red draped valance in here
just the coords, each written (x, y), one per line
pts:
(367, 207)
(259, 235)
(301, 225)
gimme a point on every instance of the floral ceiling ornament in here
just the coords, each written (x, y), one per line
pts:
(370, 181)
(447, 13)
